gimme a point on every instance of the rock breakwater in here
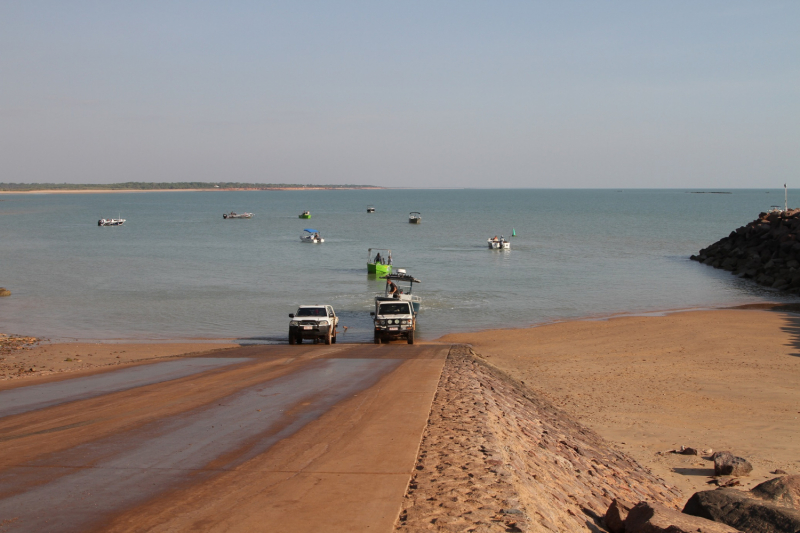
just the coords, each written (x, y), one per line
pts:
(767, 250)
(496, 457)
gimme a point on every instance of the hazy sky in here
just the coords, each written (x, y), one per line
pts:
(433, 94)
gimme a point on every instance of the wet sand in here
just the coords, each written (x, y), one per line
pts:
(83, 357)
(721, 380)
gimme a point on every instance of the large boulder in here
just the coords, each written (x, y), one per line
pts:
(737, 509)
(727, 464)
(646, 517)
(784, 490)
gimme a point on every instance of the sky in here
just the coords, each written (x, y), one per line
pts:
(562, 94)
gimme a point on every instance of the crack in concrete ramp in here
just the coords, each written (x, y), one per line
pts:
(33, 397)
(82, 487)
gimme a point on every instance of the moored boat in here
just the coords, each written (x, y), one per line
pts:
(500, 243)
(237, 215)
(414, 217)
(370, 209)
(311, 236)
(111, 222)
(305, 214)
(379, 264)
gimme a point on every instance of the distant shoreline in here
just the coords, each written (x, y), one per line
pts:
(106, 191)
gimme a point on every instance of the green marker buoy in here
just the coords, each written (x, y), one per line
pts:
(513, 232)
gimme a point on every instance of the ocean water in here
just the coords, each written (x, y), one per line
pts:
(177, 270)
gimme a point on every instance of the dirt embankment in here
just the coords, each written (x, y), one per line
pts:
(496, 457)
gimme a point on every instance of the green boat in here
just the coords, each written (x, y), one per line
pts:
(379, 263)
(305, 214)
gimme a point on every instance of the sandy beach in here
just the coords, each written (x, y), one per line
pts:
(543, 427)
(720, 379)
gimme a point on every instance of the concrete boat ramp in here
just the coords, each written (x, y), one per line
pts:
(270, 438)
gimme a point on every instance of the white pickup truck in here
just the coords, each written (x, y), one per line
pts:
(394, 319)
(316, 322)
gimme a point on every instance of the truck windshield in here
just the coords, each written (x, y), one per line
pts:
(394, 309)
(311, 311)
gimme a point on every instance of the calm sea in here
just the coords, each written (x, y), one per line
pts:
(176, 269)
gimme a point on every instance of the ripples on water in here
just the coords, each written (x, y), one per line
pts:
(176, 269)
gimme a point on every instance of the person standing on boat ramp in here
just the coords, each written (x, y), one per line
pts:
(389, 261)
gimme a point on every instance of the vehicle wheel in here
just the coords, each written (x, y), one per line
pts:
(316, 340)
(328, 336)
(333, 339)
(377, 339)
(411, 337)
(291, 338)
(299, 339)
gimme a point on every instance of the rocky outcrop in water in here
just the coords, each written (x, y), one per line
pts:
(766, 250)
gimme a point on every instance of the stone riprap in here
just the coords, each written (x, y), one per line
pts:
(766, 250)
(496, 457)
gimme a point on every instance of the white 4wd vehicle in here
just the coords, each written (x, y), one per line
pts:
(394, 319)
(313, 322)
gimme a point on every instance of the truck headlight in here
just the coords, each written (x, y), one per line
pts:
(404, 321)
(293, 323)
(323, 322)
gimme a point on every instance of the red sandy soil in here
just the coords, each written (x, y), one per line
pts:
(711, 380)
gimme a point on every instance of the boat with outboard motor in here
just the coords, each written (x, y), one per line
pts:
(233, 214)
(414, 217)
(379, 264)
(370, 209)
(404, 292)
(111, 222)
(395, 314)
(305, 214)
(311, 236)
(500, 243)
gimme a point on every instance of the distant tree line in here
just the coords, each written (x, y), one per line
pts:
(146, 186)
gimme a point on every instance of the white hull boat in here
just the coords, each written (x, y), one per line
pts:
(237, 215)
(499, 244)
(311, 236)
(111, 222)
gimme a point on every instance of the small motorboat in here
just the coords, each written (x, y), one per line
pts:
(500, 243)
(370, 209)
(379, 264)
(236, 215)
(414, 217)
(311, 236)
(305, 214)
(402, 293)
(111, 222)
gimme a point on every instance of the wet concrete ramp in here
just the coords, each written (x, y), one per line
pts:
(313, 432)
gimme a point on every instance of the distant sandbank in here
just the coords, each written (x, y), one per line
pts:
(106, 191)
